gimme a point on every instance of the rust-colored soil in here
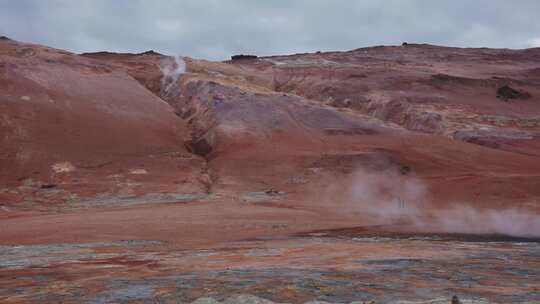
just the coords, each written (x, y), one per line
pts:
(380, 174)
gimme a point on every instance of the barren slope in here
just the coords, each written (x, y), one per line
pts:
(83, 128)
(441, 90)
(331, 176)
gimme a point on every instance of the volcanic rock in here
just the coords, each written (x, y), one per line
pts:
(243, 57)
(506, 92)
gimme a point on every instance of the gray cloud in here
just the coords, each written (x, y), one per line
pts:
(216, 29)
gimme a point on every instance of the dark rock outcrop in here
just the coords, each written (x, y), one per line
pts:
(199, 147)
(243, 57)
(506, 93)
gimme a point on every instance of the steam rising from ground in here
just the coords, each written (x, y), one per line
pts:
(171, 68)
(393, 198)
(465, 219)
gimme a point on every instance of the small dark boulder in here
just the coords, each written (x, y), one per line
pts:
(151, 53)
(199, 147)
(243, 57)
(404, 170)
(404, 44)
(4, 38)
(506, 93)
(455, 300)
(48, 186)
(272, 192)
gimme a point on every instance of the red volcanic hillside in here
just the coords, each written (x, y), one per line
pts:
(105, 129)
(134, 177)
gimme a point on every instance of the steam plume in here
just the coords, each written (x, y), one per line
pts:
(392, 198)
(171, 68)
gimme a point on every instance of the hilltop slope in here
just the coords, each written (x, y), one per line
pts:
(100, 128)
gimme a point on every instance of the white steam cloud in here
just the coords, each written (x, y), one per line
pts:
(171, 68)
(393, 198)
(465, 219)
(389, 196)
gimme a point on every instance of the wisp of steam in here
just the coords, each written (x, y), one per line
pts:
(171, 69)
(390, 197)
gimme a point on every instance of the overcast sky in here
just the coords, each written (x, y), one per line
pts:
(216, 29)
